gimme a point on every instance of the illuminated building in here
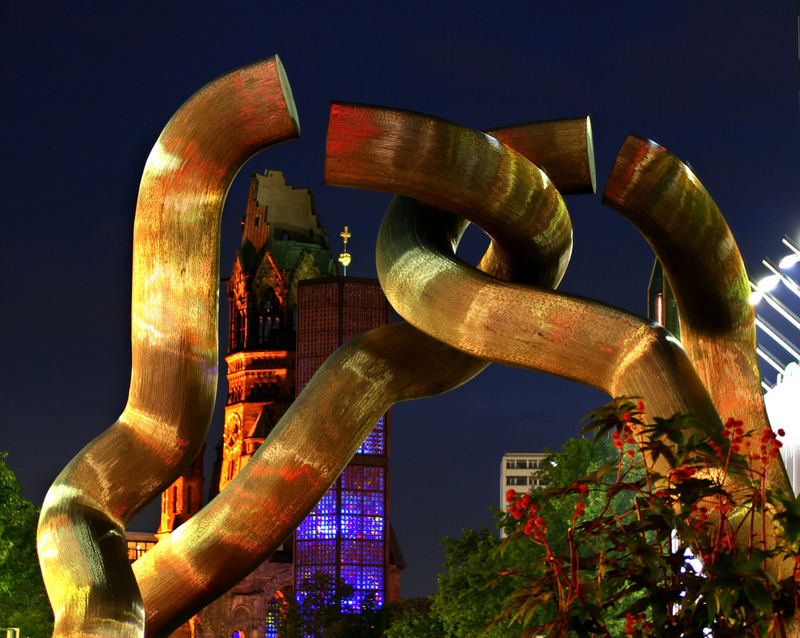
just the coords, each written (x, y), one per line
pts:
(661, 305)
(138, 543)
(287, 311)
(346, 536)
(183, 499)
(518, 472)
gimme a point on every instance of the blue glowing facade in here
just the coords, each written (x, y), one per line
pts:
(346, 536)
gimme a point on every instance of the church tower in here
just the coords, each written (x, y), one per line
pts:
(183, 499)
(282, 244)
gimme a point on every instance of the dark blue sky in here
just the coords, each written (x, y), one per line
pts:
(87, 89)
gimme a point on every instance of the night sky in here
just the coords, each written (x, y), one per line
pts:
(87, 89)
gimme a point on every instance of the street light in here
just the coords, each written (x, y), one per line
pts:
(792, 258)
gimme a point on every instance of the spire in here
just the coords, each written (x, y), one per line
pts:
(344, 257)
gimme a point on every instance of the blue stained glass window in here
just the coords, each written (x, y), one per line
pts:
(352, 526)
(305, 575)
(373, 478)
(363, 579)
(372, 553)
(326, 505)
(315, 552)
(353, 477)
(372, 578)
(373, 527)
(373, 503)
(351, 502)
(317, 527)
(375, 443)
(351, 551)
(344, 538)
(351, 576)
(274, 613)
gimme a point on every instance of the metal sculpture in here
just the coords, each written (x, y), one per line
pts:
(460, 318)
(81, 538)
(315, 439)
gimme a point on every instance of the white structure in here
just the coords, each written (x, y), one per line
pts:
(783, 409)
(783, 399)
(518, 471)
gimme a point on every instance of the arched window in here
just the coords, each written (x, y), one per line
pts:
(242, 325)
(240, 623)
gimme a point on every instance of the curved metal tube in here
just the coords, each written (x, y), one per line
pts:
(302, 456)
(81, 541)
(293, 468)
(461, 170)
(561, 148)
(568, 336)
(509, 323)
(661, 196)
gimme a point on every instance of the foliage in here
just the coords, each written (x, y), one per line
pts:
(23, 600)
(692, 490)
(413, 618)
(470, 595)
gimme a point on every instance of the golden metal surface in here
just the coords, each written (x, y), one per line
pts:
(458, 169)
(292, 469)
(505, 322)
(463, 317)
(302, 456)
(561, 148)
(174, 349)
(535, 328)
(663, 198)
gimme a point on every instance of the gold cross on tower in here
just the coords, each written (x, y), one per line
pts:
(344, 257)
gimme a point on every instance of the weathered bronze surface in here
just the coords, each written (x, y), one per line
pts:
(174, 350)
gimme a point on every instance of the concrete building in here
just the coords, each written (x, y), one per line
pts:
(518, 471)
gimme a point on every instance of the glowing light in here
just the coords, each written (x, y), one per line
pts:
(788, 261)
(755, 297)
(660, 309)
(352, 516)
(160, 161)
(768, 283)
(787, 281)
(791, 259)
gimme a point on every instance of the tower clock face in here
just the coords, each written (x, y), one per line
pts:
(233, 431)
